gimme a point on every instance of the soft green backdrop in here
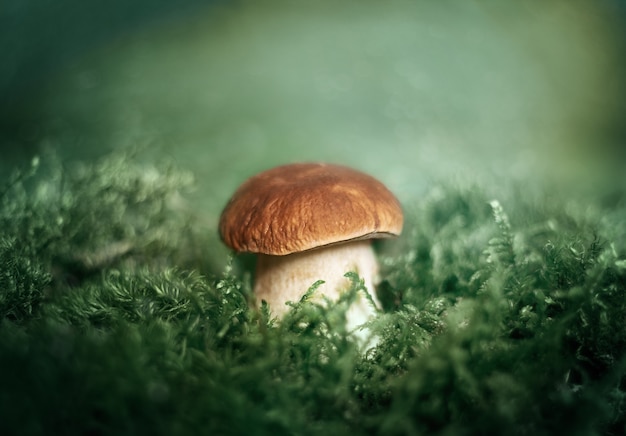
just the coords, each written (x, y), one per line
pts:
(412, 91)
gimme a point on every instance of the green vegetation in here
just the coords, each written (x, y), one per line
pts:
(500, 316)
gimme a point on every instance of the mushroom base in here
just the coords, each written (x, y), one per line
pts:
(280, 279)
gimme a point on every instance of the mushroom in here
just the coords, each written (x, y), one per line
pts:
(311, 221)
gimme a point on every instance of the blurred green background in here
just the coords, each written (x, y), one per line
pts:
(414, 92)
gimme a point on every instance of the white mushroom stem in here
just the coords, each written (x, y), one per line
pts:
(280, 279)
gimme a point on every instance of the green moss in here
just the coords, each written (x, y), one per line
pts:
(499, 317)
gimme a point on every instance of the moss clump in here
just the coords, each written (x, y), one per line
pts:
(500, 317)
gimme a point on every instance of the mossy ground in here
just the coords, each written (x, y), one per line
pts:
(501, 315)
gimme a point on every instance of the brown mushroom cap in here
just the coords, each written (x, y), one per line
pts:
(298, 207)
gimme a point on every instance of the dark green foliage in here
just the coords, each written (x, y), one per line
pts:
(22, 280)
(501, 317)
